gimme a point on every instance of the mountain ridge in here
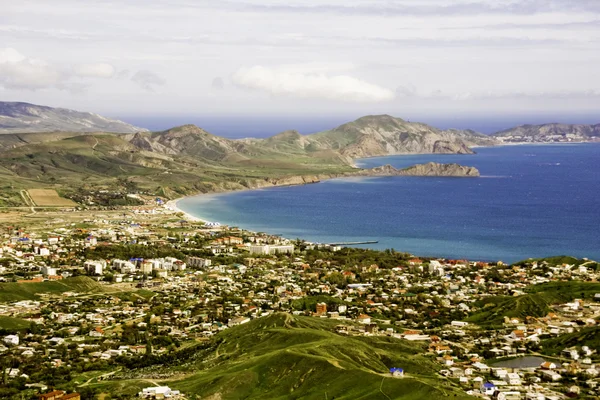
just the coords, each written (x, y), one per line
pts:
(549, 133)
(20, 117)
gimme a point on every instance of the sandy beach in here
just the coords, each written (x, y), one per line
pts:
(172, 205)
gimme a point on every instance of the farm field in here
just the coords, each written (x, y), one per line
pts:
(49, 197)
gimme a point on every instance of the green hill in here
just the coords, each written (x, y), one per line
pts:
(536, 303)
(586, 337)
(30, 291)
(11, 324)
(288, 357)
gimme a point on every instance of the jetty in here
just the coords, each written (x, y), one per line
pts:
(353, 243)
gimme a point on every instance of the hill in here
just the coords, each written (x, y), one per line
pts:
(291, 357)
(187, 159)
(380, 135)
(535, 303)
(30, 291)
(586, 337)
(24, 117)
(548, 133)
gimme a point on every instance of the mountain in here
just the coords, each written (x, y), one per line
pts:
(188, 159)
(25, 117)
(380, 135)
(281, 356)
(549, 133)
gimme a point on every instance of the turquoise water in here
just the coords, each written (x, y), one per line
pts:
(531, 201)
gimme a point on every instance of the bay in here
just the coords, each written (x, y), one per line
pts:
(531, 201)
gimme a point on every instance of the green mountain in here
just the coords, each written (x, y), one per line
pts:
(291, 357)
(187, 159)
(536, 303)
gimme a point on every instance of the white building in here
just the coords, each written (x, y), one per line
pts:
(48, 271)
(199, 262)
(12, 340)
(95, 267)
(271, 249)
(158, 392)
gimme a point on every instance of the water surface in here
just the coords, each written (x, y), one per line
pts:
(531, 201)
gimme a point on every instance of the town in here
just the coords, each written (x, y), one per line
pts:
(114, 294)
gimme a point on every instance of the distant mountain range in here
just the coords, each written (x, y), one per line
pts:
(188, 159)
(549, 133)
(25, 117)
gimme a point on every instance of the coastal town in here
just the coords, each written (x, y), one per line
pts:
(113, 295)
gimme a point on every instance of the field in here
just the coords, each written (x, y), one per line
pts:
(30, 291)
(48, 197)
(11, 324)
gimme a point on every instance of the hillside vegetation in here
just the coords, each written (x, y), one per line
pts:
(535, 303)
(187, 159)
(31, 291)
(287, 357)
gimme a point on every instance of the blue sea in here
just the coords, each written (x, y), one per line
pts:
(531, 201)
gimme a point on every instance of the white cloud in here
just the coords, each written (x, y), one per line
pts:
(97, 70)
(147, 80)
(310, 83)
(20, 72)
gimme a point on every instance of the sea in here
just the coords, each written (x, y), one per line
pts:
(530, 201)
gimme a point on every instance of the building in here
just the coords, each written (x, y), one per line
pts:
(397, 372)
(47, 270)
(321, 308)
(146, 267)
(271, 249)
(198, 262)
(158, 392)
(12, 340)
(95, 267)
(53, 395)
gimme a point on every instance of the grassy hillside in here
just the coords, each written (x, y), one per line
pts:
(30, 291)
(285, 357)
(536, 303)
(586, 337)
(11, 324)
(556, 260)
(180, 161)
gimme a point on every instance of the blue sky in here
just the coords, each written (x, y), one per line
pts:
(304, 58)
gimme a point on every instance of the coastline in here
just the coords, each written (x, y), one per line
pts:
(171, 205)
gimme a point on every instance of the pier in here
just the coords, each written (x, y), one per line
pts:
(353, 243)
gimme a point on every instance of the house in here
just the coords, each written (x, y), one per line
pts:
(397, 372)
(158, 392)
(548, 365)
(11, 340)
(488, 389)
(53, 395)
(364, 319)
(513, 395)
(512, 379)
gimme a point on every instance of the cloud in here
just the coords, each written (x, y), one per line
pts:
(20, 72)
(218, 83)
(292, 81)
(147, 80)
(97, 70)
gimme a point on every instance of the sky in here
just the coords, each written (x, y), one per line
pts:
(305, 59)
